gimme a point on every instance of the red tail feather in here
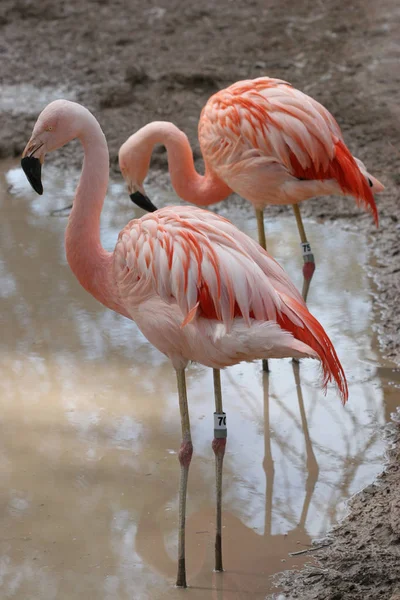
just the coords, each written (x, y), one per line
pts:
(351, 180)
(344, 169)
(313, 334)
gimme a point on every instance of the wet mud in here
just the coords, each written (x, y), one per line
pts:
(132, 63)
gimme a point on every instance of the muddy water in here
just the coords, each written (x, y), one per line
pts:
(89, 424)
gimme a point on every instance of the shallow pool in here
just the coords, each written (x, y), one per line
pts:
(90, 426)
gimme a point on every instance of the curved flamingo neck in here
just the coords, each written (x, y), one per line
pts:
(91, 264)
(187, 182)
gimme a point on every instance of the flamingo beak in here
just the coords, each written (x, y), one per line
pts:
(376, 185)
(142, 201)
(32, 166)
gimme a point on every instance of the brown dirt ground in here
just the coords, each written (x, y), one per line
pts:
(132, 62)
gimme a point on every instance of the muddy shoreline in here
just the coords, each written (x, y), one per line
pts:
(133, 62)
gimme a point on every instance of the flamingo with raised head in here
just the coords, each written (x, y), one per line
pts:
(198, 288)
(264, 140)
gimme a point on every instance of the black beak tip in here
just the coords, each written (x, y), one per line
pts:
(143, 202)
(32, 168)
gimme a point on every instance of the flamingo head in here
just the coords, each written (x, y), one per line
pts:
(59, 123)
(373, 183)
(134, 165)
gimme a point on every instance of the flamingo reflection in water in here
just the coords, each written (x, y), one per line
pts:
(301, 500)
(257, 555)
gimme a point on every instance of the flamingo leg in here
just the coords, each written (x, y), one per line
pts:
(260, 228)
(311, 461)
(218, 445)
(268, 463)
(308, 257)
(185, 456)
(263, 243)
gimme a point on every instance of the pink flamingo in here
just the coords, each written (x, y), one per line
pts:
(198, 288)
(264, 140)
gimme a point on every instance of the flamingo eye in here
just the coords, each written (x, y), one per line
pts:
(49, 128)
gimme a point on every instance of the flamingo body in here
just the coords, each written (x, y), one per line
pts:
(201, 290)
(262, 139)
(273, 144)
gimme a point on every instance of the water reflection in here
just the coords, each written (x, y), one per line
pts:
(31, 98)
(89, 423)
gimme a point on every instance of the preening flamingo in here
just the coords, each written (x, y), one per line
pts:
(198, 288)
(264, 140)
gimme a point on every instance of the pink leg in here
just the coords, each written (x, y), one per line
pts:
(218, 446)
(185, 456)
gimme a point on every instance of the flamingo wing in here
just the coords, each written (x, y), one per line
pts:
(204, 264)
(194, 258)
(268, 118)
